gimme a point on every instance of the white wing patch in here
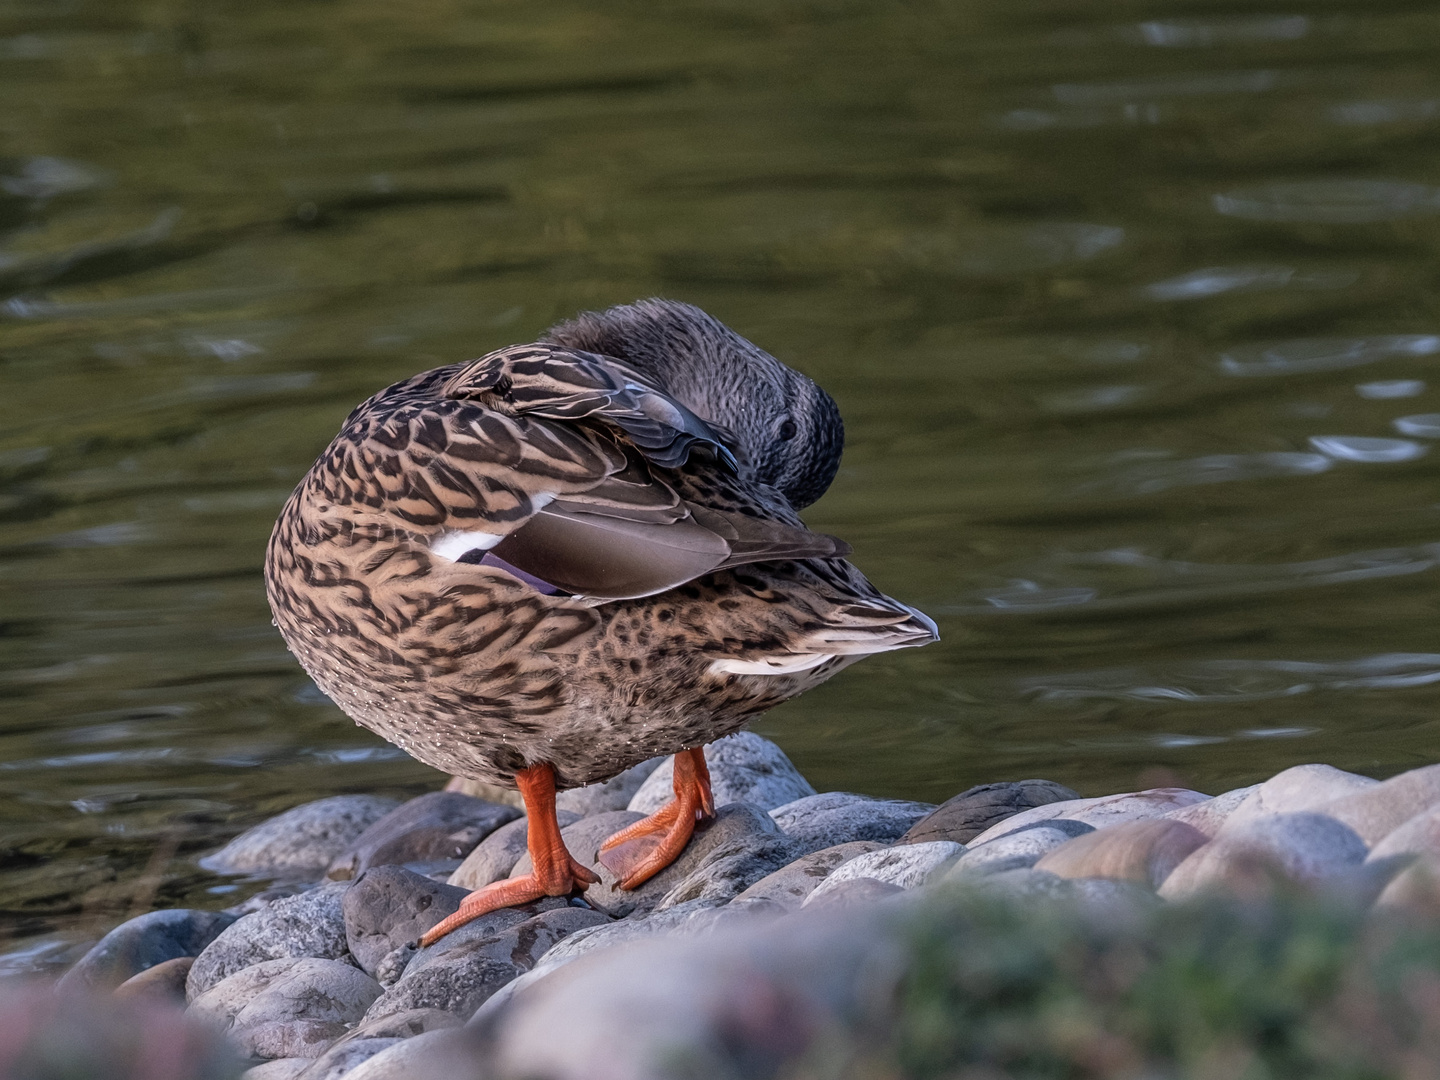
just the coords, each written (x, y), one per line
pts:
(455, 544)
(770, 665)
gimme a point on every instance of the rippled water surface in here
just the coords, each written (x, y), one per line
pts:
(1130, 307)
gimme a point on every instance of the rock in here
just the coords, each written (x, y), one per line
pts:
(691, 919)
(288, 1007)
(1415, 888)
(143, 942)
(392, 965)
(837, 817)
(613, 794)
(163, 982)
(451, 1055)
(1420, 835)
(789, 885)
(1414, 891)
(1307, 848)
(727, 855)
(388, 906)
(437, 825)
(747, 1002)
(1141, 851)
(967, 815)
(852, 892)
(1101, 812)
(1302, 787)
(1210, 816)
(403, 1025)
(458, 976)
(311, 924)
(346, 1055)
(905, 866)
(1374, 812)
(279, 1069)
(300, 842)
(498, 853)
(1101, 898)
(479, 789)
(265, 897)
(743, 768)
(1018, 850)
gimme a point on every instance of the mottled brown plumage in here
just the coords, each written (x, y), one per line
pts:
(663, 516)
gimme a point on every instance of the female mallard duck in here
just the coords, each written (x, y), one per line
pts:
(549, 564)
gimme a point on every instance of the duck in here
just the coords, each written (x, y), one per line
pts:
(541, 567)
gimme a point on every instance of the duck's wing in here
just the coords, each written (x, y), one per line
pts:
(557, 383)
(624, 531)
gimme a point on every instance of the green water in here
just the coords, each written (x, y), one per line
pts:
(1106, 292)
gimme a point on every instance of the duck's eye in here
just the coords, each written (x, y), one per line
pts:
(787, 431)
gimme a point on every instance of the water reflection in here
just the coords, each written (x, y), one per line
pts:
(1366, 449)
(1154, 477)
(1324, 354)
(1130, 579)
(1214, 280)
(1239, 680)
(1202, 33)
(1340, 202)
(1390, 389)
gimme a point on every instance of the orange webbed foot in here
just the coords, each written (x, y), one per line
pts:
(510, 893)
(555, 873)
(638, 852)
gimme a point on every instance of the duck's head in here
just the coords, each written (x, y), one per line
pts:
(789, 430)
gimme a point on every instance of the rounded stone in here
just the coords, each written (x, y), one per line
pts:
(965, 816)
(838, 817)
(143, 942)
(1374, 812)
(1247, 855)
(1210, 816)
(1301, 787)
(1101, 812)
(727, 855)
(310, 924)
(1141, 851)
(852, 892)
(905, 866)
(697, 918)
(1414, 891)
(498, 853)
(388, 906)
(458, 976)
(345, 1056)
(279, 1069)
(1018, 850)
(289, 1007)
(451, 1055)
(435, 826)
(302, 841)
(1419, 835)
(163, 982)
(743, 768)
(793, 882)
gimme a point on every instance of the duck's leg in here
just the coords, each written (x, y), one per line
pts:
(637, 853)
(554, 873)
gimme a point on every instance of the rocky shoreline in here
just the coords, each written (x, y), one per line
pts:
(321, 978)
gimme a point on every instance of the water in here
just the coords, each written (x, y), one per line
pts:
(1130, 310)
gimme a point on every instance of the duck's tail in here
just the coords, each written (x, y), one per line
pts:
(858, 628)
